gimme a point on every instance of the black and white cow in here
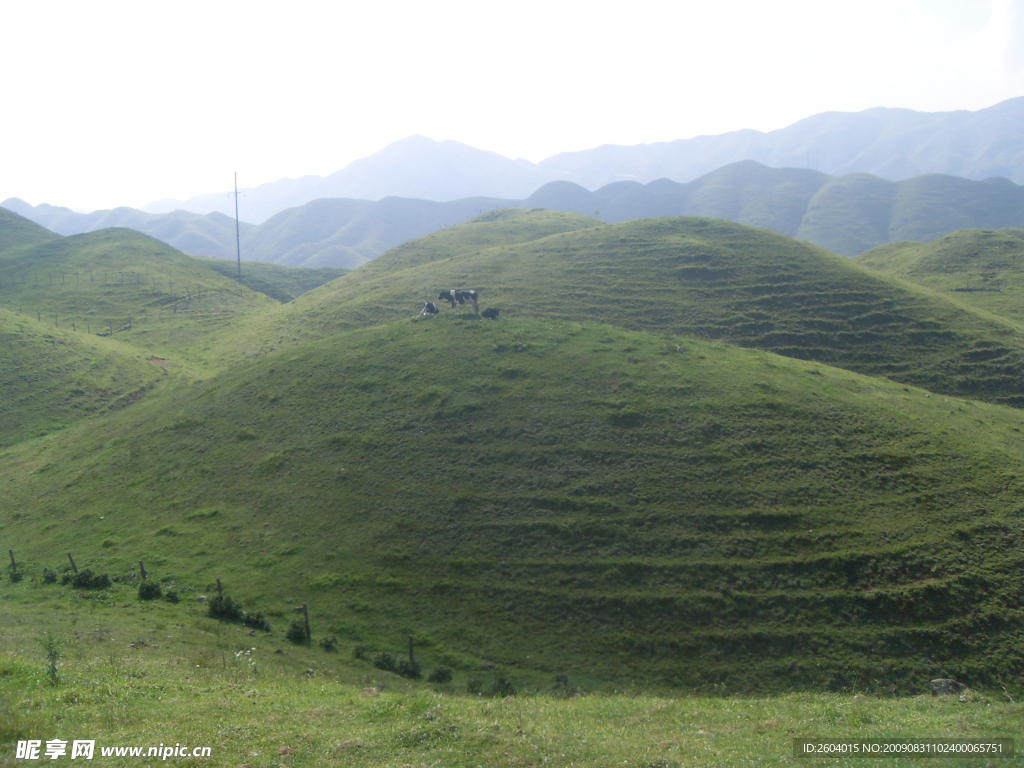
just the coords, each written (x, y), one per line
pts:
(459, 295)
(491, 313)
(429, 308)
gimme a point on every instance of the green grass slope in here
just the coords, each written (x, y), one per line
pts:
(566, 497)
(982, 268)
(849, 215)
(17, 232)
(701, 277)
(50, 378)
(213, 685)
(276, 281)
(502, 227)
(121, 282)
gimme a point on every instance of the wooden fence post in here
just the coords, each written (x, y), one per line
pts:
(14, 565)
(73, 566)
(305, 614)
(142, 570)
(220, 590)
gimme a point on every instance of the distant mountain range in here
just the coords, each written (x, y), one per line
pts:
(204, 235)
(847, 214)
(893, 144)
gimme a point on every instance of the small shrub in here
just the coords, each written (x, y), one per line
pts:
(87, 580)
(501, 687)
(16, 576)
(409, 668)
(49, 576)
(296, 633)
(440, 675)
(256, 621)
(171, 596)
(224, 608)
(150, 590)
(385, 661)
(361, 652)
(329, 644)
(53, 647)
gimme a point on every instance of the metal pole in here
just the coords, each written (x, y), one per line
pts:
(238, 236)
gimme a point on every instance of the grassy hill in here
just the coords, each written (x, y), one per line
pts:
(845, 214)
(855, 213)
(274, 280)
(123, 283)
(700, 277)
(559, 496)
(17, 232)
(604, 483)
(982, 268)
(50, 378)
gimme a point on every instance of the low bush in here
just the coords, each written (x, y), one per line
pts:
(256, 621)
(224, 608)
(297, 633)
(408, 668)
(440, 675)
(150, 590)
(498, 687)
(361, 652)
(87, 580)
(501, 687)
(49, 576)
(385, 661)
(329, 644)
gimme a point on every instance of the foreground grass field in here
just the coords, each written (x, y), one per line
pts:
(134, 674)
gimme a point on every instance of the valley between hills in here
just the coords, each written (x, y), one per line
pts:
(702, 487)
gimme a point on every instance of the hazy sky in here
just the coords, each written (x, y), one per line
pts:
(122, 103)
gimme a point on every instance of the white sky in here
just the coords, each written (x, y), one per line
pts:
(110, 103)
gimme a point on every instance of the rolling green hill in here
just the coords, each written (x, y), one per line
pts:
(563, 496)
(700, 277)
(17, 232)
(124, 283)
(51, 378)
(276, 281)
(982, 268)
(604, 482)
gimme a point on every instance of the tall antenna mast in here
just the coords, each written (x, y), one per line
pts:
(238, 237)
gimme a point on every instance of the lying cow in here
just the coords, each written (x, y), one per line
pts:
(429, 308)
(491, 313)
(460, 296)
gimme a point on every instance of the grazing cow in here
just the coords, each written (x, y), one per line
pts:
(491, 313)
(429, 308)
(461, 296)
